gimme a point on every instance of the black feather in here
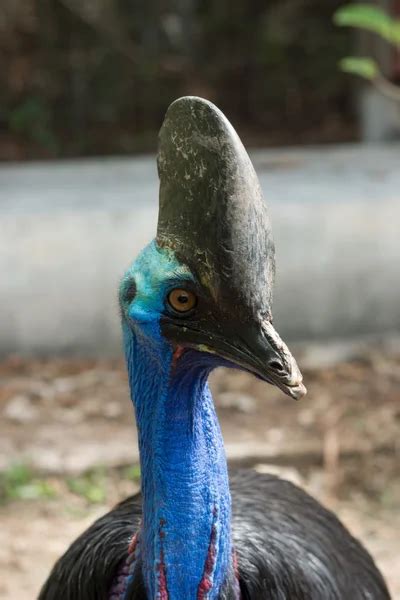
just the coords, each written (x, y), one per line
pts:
(288, 546)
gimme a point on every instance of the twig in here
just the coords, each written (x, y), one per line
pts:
(332, 450)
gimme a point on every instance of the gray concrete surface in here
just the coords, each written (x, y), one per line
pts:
(68, 230)
(380, 116)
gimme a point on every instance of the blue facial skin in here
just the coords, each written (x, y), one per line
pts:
(186, 499)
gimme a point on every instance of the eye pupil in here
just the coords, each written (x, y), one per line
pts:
(182, 300)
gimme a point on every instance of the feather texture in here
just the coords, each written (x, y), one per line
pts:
(288, 547)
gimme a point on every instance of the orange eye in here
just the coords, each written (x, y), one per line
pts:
(182, 300)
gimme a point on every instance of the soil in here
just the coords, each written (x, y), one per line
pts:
(68, 442)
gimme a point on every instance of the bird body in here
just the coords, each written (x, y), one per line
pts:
(199, 297)
(288, 547)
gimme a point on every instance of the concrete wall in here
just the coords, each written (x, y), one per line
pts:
(68, 230)
(380, 116)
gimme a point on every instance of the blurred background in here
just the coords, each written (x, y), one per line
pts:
(312, 89)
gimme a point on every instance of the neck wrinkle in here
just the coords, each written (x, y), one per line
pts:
(185, 540)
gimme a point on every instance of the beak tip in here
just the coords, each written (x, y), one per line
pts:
(298, 391)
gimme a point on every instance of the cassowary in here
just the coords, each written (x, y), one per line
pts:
(199, 297)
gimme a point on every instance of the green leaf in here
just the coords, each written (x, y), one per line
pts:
(370, 18)
(18, 483)
(91, 486)
(132, 473)
(364, 67)
(32, 118)
(35, 490)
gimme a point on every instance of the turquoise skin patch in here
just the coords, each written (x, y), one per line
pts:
(155, 272)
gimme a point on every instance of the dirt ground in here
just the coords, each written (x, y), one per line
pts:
(68, 449)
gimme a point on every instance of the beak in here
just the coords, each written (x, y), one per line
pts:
(256, 348)
(264, 353)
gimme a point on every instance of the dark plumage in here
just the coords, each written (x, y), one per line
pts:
(289, 548)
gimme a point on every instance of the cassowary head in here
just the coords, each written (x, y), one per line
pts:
(205, 284)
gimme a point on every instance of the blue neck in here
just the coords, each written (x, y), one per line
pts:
(185, 540)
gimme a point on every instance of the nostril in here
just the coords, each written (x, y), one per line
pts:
(276, 366)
